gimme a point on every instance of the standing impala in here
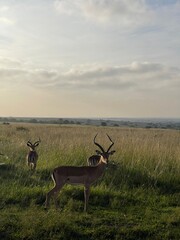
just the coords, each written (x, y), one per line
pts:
(32, 155)
(84, 175)
(94, 159)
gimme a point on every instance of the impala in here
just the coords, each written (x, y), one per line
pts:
(84, 175)
(94, 159)
(32, 155)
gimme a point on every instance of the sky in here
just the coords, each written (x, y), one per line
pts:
(90, 58)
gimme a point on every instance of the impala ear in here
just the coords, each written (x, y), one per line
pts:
(112, 152)
(98, 152)
(29, 144)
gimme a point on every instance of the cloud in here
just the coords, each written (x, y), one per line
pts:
(10, 63)
(138, 76)
(126, 12)
(65, 6)
(135, 76)
(7, 21)
(3, 19)
(4, 8)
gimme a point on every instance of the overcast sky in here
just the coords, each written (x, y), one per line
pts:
(90, 58)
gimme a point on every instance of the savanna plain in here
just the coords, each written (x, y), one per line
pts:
(137, 197)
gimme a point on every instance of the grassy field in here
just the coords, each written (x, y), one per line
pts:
(138, 196)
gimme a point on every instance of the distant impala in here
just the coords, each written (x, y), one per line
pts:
(32, 155)
(85, 175)
(94, 159)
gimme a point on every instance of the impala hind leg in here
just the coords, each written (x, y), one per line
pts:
(56, 194)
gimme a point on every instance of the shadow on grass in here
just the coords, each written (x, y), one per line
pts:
(117, 176)
(25, 186)
(29, 186)
(24, 177)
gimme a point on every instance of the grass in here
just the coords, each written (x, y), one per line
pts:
(136, 198)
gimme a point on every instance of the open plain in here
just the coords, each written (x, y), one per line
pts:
(136, 198)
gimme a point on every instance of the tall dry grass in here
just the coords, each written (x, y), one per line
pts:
(148, 154)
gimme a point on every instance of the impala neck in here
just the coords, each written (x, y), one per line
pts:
(32, 150)
(101, 165)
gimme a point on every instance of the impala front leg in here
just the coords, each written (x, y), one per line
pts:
(48, 197)
(86, 197)
(53, 193)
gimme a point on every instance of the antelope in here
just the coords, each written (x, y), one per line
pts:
(84, 175)
(94, 159)
(32, 155)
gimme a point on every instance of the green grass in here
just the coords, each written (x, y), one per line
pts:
(136, 198)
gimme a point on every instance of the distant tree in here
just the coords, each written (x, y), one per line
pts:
(103, 124)
(33, 120)
(148, 126)
(88, 122)
(60, 120)
(66, 121)
(6, 123)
